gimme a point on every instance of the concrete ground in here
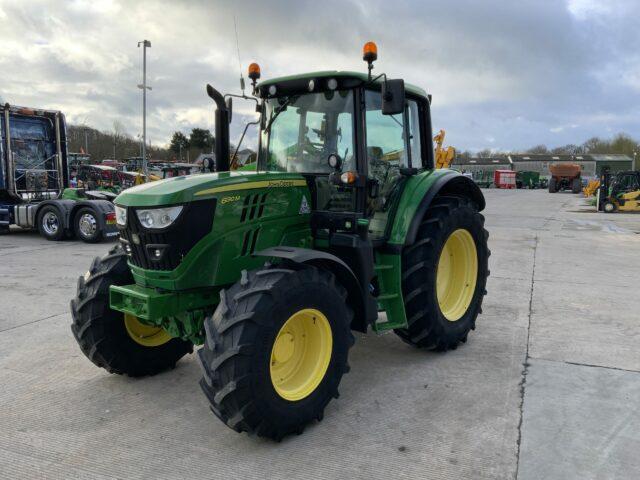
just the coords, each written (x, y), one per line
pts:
(546, 387)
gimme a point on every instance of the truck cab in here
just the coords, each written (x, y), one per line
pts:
(34, 174)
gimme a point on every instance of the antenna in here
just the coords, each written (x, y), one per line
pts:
(235, 26)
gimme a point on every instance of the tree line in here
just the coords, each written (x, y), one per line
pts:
(620, 143)
(118, 144)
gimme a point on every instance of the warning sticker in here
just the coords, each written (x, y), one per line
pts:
(304, 206)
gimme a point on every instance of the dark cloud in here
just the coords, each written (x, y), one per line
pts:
(503, 74)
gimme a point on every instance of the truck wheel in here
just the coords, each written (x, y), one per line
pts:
(275, 351)
(552, 185)
(116, 342)
(444, 275)
(87, 226)
(50, 223)
(576, 185)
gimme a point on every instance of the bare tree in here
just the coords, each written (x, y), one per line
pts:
(118, 134)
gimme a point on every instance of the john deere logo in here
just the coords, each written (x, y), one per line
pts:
(280, 183)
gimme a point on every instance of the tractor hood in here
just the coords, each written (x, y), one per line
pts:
(191, 188)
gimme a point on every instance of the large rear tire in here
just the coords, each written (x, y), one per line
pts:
(276, 349)
(552, 185)
(576, 185)
(445, 275)
(118, 343)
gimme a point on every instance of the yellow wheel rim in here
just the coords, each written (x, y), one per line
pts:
(301, 354)
(145, 335)
(457, 274)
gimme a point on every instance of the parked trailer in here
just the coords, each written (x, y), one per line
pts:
(504, 179)
(34, 175)
(565, 176)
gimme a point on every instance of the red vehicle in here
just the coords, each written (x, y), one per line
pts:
(504, 179)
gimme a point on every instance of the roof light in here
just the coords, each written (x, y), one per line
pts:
(312, 84)
(272, 90)
(370, 52)
(332, 83)
(254, 71)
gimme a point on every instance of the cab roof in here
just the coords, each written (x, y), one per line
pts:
(359, 77)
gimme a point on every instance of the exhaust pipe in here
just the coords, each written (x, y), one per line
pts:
(222, 117)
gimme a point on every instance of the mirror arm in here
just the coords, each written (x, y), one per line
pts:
(376, 78)
(245, 97)
(233, 157)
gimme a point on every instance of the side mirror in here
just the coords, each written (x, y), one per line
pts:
(393, 97)
(229, 104)
(334, 161)
(208, 164)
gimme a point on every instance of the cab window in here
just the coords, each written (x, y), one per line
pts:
(386, 154)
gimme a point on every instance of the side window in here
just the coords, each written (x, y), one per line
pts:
(385, 133)
(413, 129)
(386, 154)
(283, 142)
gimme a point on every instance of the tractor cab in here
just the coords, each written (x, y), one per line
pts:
(335, 129)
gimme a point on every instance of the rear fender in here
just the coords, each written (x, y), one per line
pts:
(418, 195)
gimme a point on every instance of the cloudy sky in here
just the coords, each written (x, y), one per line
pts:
(503, 74)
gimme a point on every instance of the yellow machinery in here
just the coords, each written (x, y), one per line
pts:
(619, 193)
(444, 156)
(626, 202)
(591, 188)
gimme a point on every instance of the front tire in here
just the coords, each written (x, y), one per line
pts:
(552, 185)
(609, 207)
(118, 343)
(276, 349)
(444, 275)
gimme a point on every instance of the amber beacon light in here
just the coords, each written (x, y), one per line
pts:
(370, 52)
(370, 55)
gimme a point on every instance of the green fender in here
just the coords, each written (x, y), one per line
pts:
(418, 193)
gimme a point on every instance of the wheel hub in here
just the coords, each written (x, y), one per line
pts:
(301, 354)
(145, 335)
(50, 223)
(457, 274)
(87, 225)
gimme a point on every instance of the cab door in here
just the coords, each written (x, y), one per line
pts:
(393, 142)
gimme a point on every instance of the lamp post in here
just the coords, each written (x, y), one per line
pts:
(143, 86)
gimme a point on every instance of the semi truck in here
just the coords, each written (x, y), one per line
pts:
(34, 180)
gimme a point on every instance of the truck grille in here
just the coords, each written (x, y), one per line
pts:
(194, 222)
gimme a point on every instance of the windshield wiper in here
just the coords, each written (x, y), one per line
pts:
(278, 111)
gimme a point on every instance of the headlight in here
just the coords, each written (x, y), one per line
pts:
(158, 217)
(121, 216)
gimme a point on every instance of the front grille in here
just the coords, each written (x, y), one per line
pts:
(194, 222)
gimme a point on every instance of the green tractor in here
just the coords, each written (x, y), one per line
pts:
(345, 225)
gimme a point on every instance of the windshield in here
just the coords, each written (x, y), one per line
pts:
(302, 130)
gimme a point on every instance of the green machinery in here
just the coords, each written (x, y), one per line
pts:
(345, 225)
(527, 179)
